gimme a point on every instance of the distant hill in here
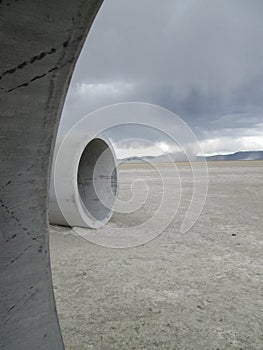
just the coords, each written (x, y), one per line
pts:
(166, 158)
(247, 155)
(180, 157)
(137, 159)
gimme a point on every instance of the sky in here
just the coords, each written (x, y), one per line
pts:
(202, 60)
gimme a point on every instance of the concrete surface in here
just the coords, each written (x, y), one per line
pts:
(200, 290)
(84, 180)
(40, 43)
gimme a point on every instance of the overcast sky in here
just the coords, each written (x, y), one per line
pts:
(201, 59)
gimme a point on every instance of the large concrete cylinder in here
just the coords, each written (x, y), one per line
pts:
(40, 44)
(84, 182)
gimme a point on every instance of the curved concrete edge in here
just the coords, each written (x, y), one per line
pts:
(84, 181)
(40, 43)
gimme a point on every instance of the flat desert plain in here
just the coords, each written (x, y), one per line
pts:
(200, 289)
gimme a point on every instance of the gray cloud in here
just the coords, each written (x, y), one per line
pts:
(202, 60)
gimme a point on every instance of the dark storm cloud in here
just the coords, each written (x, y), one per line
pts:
(201, 59)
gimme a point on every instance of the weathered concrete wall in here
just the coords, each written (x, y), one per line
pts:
(40, 43)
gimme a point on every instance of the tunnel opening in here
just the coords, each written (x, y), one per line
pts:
(84, 181)
(97, 180)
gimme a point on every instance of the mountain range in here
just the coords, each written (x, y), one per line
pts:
(181, 157)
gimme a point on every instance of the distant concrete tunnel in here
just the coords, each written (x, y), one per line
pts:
(40, 43)
(83, 182)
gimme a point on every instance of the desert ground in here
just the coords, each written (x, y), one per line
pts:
(199, 290)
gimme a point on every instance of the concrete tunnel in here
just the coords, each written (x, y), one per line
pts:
(40, 44)
(84, 177)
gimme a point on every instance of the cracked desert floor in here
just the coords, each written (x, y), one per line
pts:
(196, 290)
